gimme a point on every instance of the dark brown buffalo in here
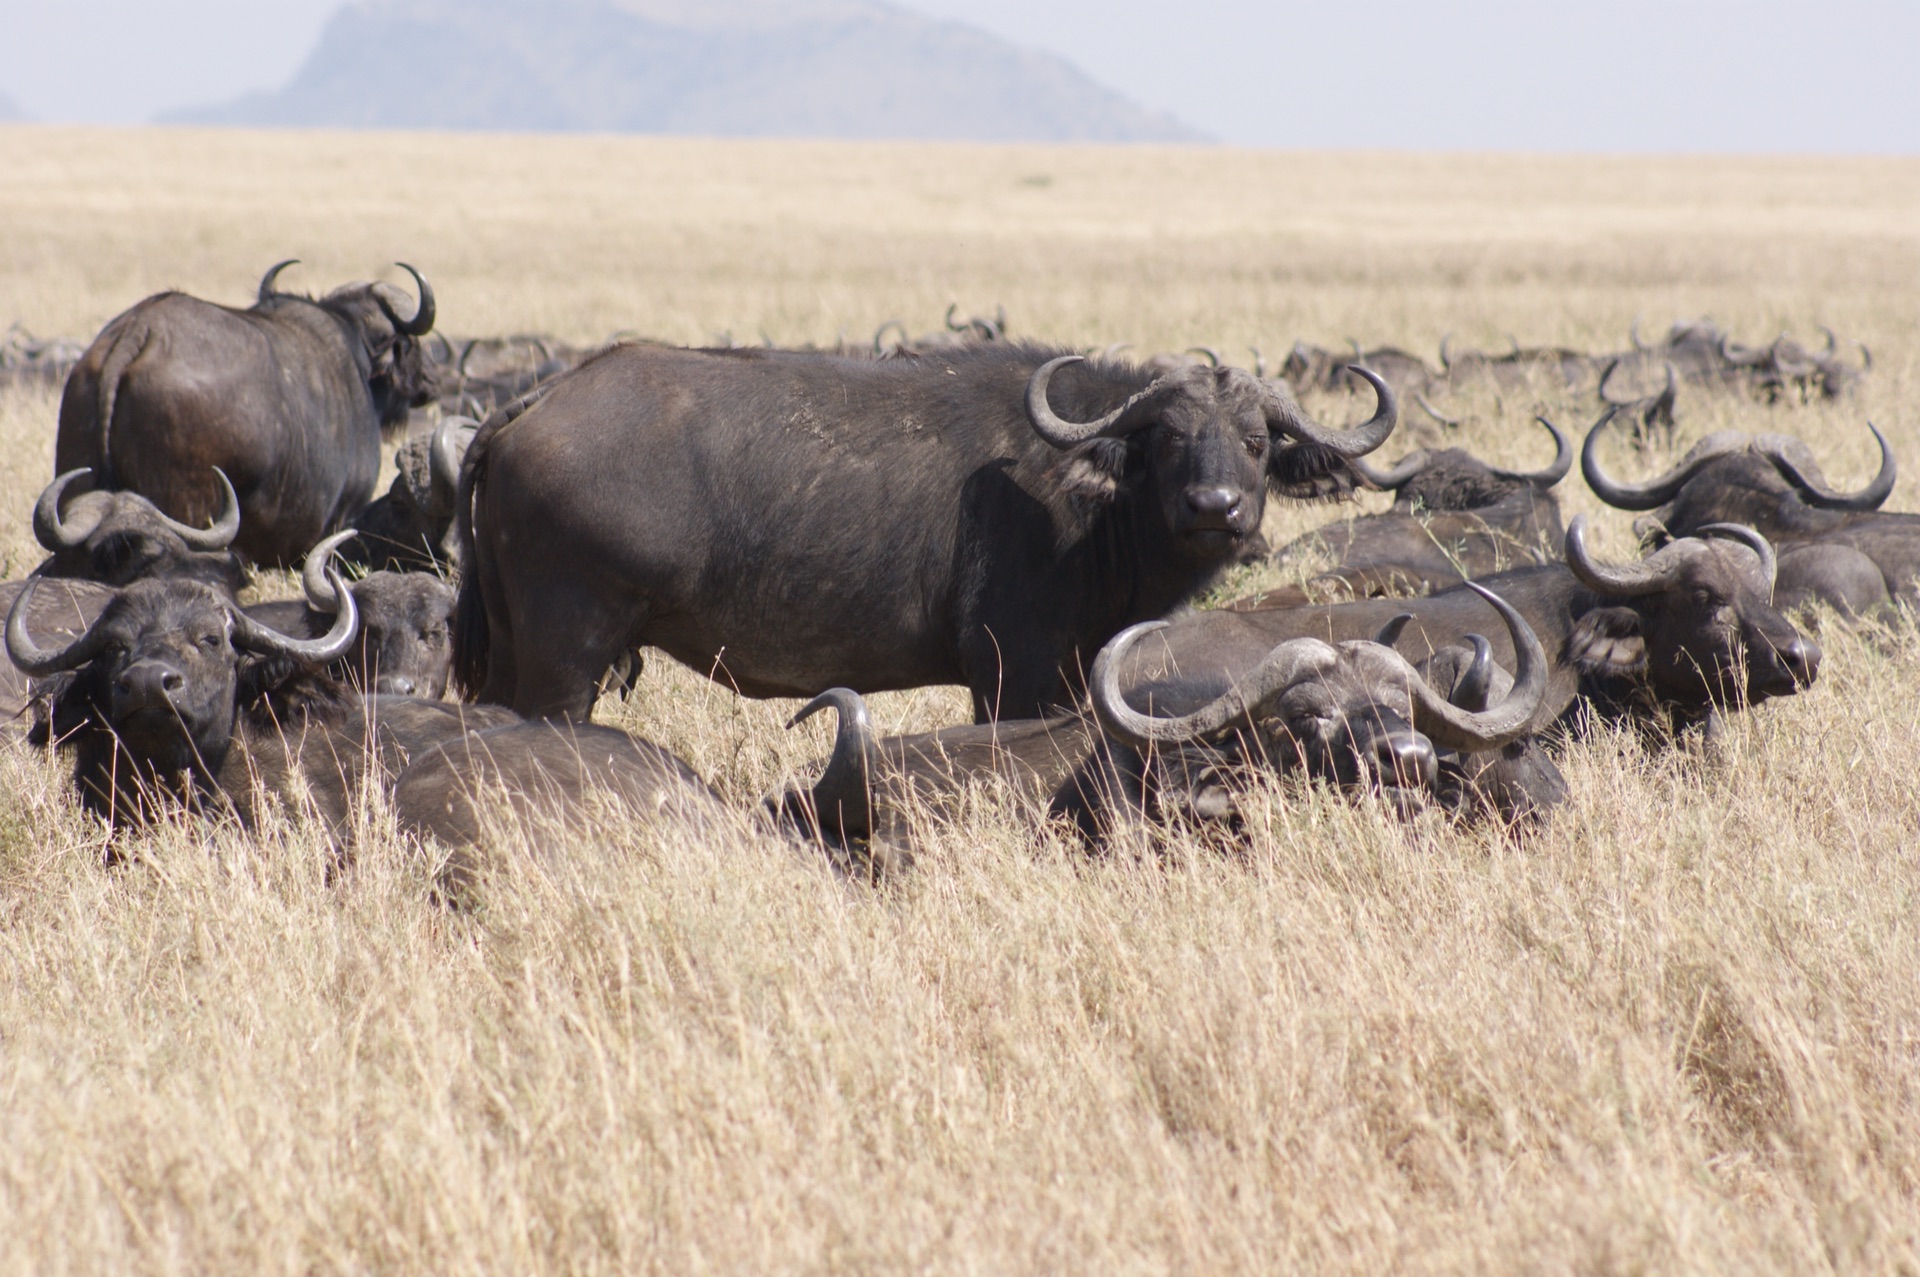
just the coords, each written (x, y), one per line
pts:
(405, 645)
(1454, 518)
(174, 696)
(288, 398)
(1691, 628)
(1704, 355)
(1356, 715)
(789, 522)
(117, 538)
(1835, 547)
(406, 530)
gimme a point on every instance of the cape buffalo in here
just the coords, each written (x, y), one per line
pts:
(1692, 627)
(289, 398)
(1356, 715)
(406, 530)
(404, 647)
(788, 522)
(1835, 547)
(173, 695)
(1706, 356)
(117, 538)
(1454, 517)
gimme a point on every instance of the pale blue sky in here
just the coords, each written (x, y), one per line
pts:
(1830, 76)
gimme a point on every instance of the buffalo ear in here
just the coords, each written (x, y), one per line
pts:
(1608, 640)
(1092, 471)
(1308, 472)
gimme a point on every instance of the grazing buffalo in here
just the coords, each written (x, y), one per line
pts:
(1692, 627)
(405, 646)
(1454, 517)
(1836, 547)
(288, 398)
(118, 538)
(406, 530)
(174, 696)
(788, 522)
(1356, 715)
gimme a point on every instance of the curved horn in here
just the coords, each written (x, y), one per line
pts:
(314, 573)
(1475, 687)
(1470, 731)
(879, 335)
(48, 529)
(845, 787)
(1208, 353)
(1871, 497)
(1390, 632)
(1633, 334)
(35, 661)
(1632, 496)
(1399, 473)
(217, 535)
(255, 637)
(1113, 349)
(1606, 375)
(1650, 576)
(951, 326)
(1739, 356)
(1135, 414)
(1279, 669)
(444, 455)
(1833, 342)
(1769, 561)
(1866, 357)
(1285, 416)
(268, 280)
(422, 322)
(1259, 363)
(465, 351)
(1420, 398)
(1446, 352)
(1555, 472)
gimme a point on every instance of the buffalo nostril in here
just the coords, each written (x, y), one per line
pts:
(1802, 659)
(1405, 761)
(1213, 500)
(171, 682)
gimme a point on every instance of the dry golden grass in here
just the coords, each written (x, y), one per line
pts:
(1678, 1030)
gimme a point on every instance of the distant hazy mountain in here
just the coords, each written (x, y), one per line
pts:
(743, 68)
(10, 111)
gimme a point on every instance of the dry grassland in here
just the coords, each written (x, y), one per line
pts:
(1677, 1031)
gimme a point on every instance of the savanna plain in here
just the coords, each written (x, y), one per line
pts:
(1675, 1030)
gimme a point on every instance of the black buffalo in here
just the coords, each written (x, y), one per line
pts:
(1836, 547)
(117, 538)
(1454, 518)
(406, 530)
(289, 398)
(1704, 355)
(1691, 628)
(175, 697)
(787, 522)
(1356, 715)
(405, 645)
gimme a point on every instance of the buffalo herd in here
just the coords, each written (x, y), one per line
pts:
(1029, 522)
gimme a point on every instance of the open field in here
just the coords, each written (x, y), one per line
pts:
(1677, 1030)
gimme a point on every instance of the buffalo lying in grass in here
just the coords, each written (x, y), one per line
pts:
(117, 538)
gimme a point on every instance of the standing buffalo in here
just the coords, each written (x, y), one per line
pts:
(788, 522)
(289, 398)
(1836, 547)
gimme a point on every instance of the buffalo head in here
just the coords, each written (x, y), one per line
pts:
(400, 373)
(1208, 442)
(120, 537)
(1695, 619)
(1453, 479)
(405, 646)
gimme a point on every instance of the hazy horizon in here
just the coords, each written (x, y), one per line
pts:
(1679, 76)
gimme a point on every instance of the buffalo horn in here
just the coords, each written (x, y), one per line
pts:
(1554, 473)
(1400, 473)
(36, 661)
(1207, 353)
(255, 637)
(1259, 363)
(1470, 731)
(1833, 342)
(1112, 350)
(880, 345)
(1446, 351)
(1287, 418)
(1281, 668)
(422, 322)
(1475, 687)
(1870, 497)
(1740, 356)
(953, 327)
(1135, 414)
(1649, 576)
(1420, 398)
(445, 453)
(217, 535)
(1633, 496)
(1606, 375)
(1769, 561)
(1390, 632)
(267, 280)
(47, 526)
(844, 792)
(1633, 334)
(313, 573)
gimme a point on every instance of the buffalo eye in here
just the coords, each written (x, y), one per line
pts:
(1256, 446)
(1704, 599)
(210, 641)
